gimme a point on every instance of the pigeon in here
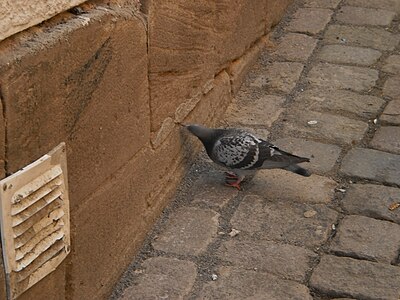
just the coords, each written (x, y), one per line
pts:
(244, 153)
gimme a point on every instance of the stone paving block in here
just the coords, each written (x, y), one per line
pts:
(342, 54)
(283, 260)
(270, 184)
(359, 279)
(387, 139)
(188, 232)
(372, 164)
(376, 38)
(367, 238)
(322, 3)
(162, 278)
(328, 127)
(323, 156)
(391, 114)
(391, 87)
(279, 76)
(294, 223)
(209, 189)
(310, 20)
(262, 111)
(392, 5)
(372, 201)
(238, 284)
(343, 77)
(295, 47)
(365, 16)
(392, 64)
(340, 101)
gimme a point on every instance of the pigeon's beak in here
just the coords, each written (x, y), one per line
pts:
(182, 125)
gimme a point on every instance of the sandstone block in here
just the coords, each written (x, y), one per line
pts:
(392, 64)
(339, 101)
(323, 156)
(310, 20)
(375, 38)
(261, 111)
(295, 47)
(76, 92)
(365, 16)
(372, 201)
(329, 127)
(391, 5)
(390, 88)
(342, 276)
(284, 221)
(322, 3)
(209, 189)
(237, 284)
(367, 238)
(188, 232)
(391, 114)
(161, 277)
(285, 261)
(349, 55)
(342, 77)
(387, 139)
(372, 164)
(280, 185)
(279, 76)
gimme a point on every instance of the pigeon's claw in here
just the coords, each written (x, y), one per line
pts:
(235, 184)
(231, 175)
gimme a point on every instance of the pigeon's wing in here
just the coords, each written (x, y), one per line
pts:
(270, 156)
(238, 150)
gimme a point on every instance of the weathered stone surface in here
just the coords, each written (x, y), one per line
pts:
(162, 278)
(329, 127)
(262, 111)
(349, 55)
(192, 41)
(270, 184)
(279, 76)
(372, 201)
(367, 238)
(321, 3)
(238, 69)
(209, 189)
(387, 139)
(283, 260)
(365, 16)
(323, 156)
(339, 101)
(392, 64)
(284, 221)
(391, 87)
(189, 231)
(295, 47)
(310, 20)
(77, 93)
(372, 164)
(391, 114)
(392, 5)
(376, 38)
(342, 276)
(342, 77)
(238, 284)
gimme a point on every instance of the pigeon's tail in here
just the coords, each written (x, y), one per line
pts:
(298, 170)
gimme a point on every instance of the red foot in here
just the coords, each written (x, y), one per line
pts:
(231, 175)
(235, 184)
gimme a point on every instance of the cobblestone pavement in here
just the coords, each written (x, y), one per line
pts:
(329, 89)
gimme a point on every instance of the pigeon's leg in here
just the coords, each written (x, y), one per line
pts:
(230, 175)
(235, 184)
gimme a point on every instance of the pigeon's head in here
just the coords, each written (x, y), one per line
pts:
(203, 133)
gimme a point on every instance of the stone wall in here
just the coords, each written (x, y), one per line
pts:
(112, 83)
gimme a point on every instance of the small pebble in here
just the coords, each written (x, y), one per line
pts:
(214, 277)
(309, 213)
